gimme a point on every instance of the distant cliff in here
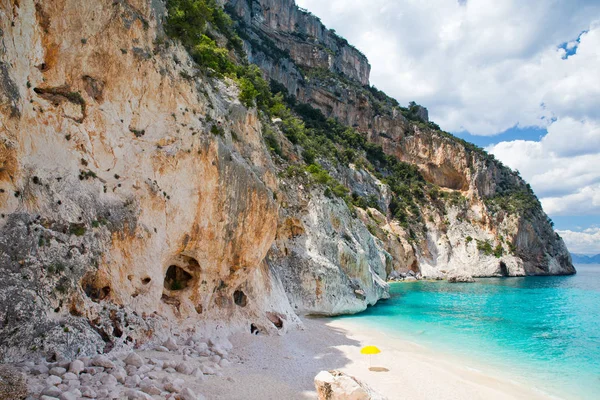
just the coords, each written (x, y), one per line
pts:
(151, 179)
(583, 259)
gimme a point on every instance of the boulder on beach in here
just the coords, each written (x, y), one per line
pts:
(336, 385)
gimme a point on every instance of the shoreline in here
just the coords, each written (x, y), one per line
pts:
(452, 376)
(277, 367)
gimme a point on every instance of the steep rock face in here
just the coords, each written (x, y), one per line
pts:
(138, 196)
(525, 238)
(121, 214)
(286, 28)
(327, 260)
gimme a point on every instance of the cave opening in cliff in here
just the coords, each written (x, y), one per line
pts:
(240, 298)
(503, 269)
(177, 278)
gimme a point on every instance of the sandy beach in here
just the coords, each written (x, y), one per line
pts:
(283, 367)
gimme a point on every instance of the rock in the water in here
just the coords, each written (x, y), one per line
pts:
(335, 385)
(460, 278)
(12, 383)
(134, 359)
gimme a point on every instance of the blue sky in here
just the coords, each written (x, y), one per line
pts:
(519, 78)
(515, 133)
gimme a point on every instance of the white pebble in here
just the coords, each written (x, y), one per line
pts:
(53, 380)
(184, 368)
(68, 396)
(150, 388)
(52, 391)
(119, 374)
(102, 361)
(87, 391)
(109, 380)
(171, 344)
(134, 359)
(69, 376)
(175, 386)
(58, 371)
(137, 395)
(224, 363)
(188, 394)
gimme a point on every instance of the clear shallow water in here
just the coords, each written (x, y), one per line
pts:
(544, 330)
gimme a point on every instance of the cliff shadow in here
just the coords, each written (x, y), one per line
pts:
(282, 367)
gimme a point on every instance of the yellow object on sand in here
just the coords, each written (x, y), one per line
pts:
(370, 350)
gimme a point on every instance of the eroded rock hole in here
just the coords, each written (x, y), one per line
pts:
(146, 280)
(503, 269)
(240, 298)
(96, 294)
(275, 320)
(253, 329)
(177, 278)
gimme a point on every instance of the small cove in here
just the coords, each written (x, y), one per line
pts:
(543, 331)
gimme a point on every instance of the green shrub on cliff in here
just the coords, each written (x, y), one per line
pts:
(485, 247)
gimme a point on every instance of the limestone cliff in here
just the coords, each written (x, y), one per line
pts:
(492, 208)
(139, 195)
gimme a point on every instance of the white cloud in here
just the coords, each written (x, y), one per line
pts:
(562, 168)
(483, 66)
(586, 242)
(561, 162)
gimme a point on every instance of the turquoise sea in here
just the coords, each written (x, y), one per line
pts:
(539, 330)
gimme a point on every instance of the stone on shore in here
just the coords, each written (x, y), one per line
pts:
(102, 361)
(76, 367)
(336, 385)
(188, 394)
(134, 359)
